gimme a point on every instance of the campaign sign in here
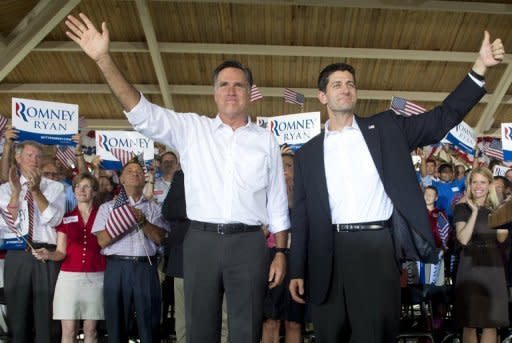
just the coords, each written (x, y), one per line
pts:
(45, 122)
(130, 141)
(499, 170)
(12, 243)
(463, 137)
(506, 141)
(292, 129)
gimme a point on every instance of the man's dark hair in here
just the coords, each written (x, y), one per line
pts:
(169, 152)
(505, 181)
(445, 166)
(430, 160)
(233, 64)
(432, 188)
(323, 78)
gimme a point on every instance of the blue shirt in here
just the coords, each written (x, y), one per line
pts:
(446, 191)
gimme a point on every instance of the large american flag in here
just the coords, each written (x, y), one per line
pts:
(121, 218)
(66, 156)
(404, 107)
(493, 149)
(293, 97)
(122, 155)
(255, 93)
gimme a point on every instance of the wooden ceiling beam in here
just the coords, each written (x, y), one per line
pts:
(489, 114)
(272, 92)
(3, 43)
(277, 50)
(156, 58)
(415, 5)
(36, 25)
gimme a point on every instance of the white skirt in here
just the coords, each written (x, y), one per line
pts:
(78, 296)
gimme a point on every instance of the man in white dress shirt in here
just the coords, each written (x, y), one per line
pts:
(35, 205)
(233, 185)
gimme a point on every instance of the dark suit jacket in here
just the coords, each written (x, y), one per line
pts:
(390, 139)
(174, 210)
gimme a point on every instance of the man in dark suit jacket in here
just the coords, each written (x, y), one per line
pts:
(358, 208)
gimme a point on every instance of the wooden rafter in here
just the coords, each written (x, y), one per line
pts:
(152, 43)
(31, 30)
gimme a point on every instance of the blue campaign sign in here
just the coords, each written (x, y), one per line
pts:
(45, 122)
(131, 142)
(13, 244)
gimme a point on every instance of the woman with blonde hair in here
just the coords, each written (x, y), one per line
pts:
(480, 288)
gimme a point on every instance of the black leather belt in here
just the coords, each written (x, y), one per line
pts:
(132, 258)
(50, 247)
(368, 226)
(225, 229)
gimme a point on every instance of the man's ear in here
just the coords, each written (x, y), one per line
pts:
(322, 97)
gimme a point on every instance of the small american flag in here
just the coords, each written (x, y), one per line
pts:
(66, 156)
(3, 122)
(122, 155)
(293, 97)
(493, 149)
(404, 107)
(443, 226)
(255, 93)
(9, 221)
(121, 218)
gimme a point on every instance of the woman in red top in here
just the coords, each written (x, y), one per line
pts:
(79, 288)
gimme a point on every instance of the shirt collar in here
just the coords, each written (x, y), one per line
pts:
(23, 180)
(218, 123)
(140, 201)
(353, 126)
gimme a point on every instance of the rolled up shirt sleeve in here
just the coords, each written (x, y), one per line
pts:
(277, 198)
(56, 197)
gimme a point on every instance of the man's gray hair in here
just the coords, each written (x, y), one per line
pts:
(21, 146)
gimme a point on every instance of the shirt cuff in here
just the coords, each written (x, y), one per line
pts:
(279, 224)
(48, 214)
(134, 116)
(478, 82)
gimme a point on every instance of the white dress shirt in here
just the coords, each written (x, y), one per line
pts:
(134, 243)
(356, 192)
(44, 222)
(230, 176)
(160, 190)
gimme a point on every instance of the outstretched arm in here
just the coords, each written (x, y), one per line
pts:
(96, 45)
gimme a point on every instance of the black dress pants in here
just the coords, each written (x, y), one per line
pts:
(29, 288)
(363, 304)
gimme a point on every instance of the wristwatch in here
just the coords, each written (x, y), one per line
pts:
(283, 250)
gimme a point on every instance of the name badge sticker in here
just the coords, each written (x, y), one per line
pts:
(72, 219)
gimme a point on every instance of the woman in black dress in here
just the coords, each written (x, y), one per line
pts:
(481, 293)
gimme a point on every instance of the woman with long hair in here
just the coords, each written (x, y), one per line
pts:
(480, 288)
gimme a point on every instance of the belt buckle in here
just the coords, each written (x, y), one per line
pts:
(220, 229)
